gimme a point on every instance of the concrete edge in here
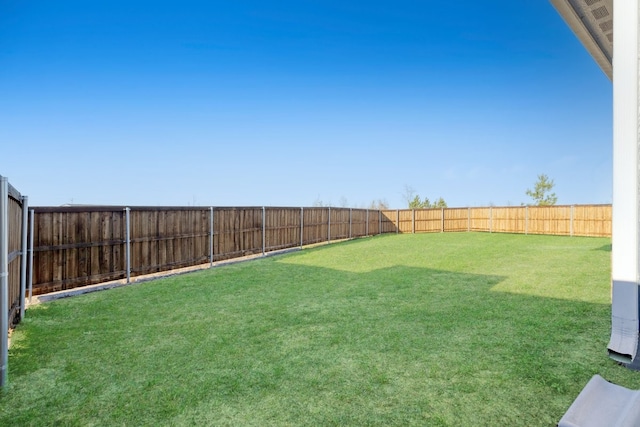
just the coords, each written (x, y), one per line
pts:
(38, 299)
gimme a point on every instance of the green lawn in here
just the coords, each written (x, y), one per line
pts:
(453, 329)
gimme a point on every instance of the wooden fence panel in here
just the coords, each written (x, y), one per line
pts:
(43, 260)
(508, 219)
(358, 222)
(554, 220)
(374, 222)
(14, 221)
(428, 220)
(479, 220)
(166, 239)
(76, 248)
(340, 219)
(316, 225)
(390, 221)
(406, 221)
(282, 228)
(592, 220)
(237, 232)
(456, 219)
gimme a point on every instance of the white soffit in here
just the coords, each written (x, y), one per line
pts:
(592, 23)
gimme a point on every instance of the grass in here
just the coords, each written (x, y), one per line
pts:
(437, 329)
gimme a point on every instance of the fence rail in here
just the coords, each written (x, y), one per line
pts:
(78, 246)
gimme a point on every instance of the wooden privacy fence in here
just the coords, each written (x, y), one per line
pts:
(13, 250)
(13, 265)
(577, 220)
(78, 246)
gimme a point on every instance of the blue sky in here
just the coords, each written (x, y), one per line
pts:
(287, 103)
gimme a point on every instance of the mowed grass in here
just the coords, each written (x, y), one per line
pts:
(435, 329)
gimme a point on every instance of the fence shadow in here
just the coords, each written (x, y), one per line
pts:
(375, 330)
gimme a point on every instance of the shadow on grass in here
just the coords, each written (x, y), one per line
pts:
(277, 343)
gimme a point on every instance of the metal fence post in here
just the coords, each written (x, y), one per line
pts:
(4, 279)
(397, 221)
(127, 246)
(329, 227)
(264, 228)
(31, 233)
(442, 216)
(23, 255)
(379, 222)
(468, 219)
(350, 222)
(301, 227)
(526, 220)
(211, 236)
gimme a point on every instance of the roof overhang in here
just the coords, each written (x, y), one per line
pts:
(592, 23)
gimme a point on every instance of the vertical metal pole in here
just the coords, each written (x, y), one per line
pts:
(413, 221)
(571, 223)
(301, 227)
(350, 222)
(4, 280)
(468, 219)
(329, 232)
(526, 220)
(31, 233)
(442, 216)
(264, 228)
(23, 255)
(211, 236)
(127, 246)
(397, 221)
(379, 222)
(367, 225)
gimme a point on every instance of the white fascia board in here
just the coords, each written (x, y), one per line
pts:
(587, 33)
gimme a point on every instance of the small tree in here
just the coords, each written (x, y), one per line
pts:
(541, 193)
(440, 203)
(416, 203)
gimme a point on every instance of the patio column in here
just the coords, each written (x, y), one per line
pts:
(625, 257)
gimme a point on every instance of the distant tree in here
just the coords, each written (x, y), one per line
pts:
(415, 202)
(344, 203)
(380, 204)
(317, 203)
(541, 193)
(408, 194)
(440, 203)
